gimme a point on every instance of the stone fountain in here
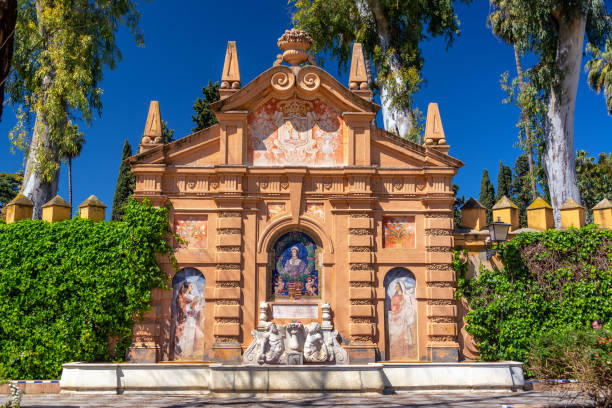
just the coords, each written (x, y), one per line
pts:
(295, 343)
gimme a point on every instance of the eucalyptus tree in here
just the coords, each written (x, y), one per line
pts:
(554, 31)
(391, 32)
(61, 49)
(8, 18)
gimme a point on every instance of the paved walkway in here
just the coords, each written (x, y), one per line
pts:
(437, 400)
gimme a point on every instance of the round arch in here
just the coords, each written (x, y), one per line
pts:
(284, 224)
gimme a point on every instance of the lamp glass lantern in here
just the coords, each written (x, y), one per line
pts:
(498, 231)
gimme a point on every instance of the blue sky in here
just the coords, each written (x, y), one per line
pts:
(185, 48)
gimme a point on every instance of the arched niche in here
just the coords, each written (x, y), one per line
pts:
(400, 315)
(295, 266)
(279, 226)
(187, 327)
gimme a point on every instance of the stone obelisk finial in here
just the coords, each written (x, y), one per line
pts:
(230, 77)
(434, 132)
(152, 135)
(358, 75)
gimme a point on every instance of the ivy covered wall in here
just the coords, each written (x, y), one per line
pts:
(67, 287)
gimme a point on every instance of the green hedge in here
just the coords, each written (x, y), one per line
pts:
(553, 280)
(67, 287)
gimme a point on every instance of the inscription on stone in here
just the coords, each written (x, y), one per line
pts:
(295, 311)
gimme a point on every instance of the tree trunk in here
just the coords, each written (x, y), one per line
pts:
(33, 187)
(398, 121)
(559, 156)
(8, 18)
(70, 179)
(532, 177)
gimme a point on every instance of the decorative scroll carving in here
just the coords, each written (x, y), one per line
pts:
(308, 81)
(282, 81)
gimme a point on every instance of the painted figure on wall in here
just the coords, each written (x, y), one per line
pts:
(295, 131)
(400, 311)
(295, 270)
(188, 315)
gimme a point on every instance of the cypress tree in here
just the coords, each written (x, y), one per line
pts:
(125, 184)
(167, 133)
(487, 194)
(521, 185)
(504, 182)
(204, 117)
(459, 201)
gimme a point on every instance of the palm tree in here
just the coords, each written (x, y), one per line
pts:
(71, 147)
(599, 70)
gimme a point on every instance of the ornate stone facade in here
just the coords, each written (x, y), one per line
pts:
(297, 152)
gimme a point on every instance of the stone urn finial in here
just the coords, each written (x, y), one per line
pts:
(294, 44)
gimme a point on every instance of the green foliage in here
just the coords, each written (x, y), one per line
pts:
(167, 133)
(521, 187)
(459, 201)
(550, 280)
(61, 49)
(204, 117)
(594, 179)
(391, 32)
(126, 181)
(68, 287)
(9, 187)
(487, 194)
(599, 69)
(583, 355)
(504, 182)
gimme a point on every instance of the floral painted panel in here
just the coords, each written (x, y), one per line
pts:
(275, 209)
(294, 268)
(193, 230)
(315, 210)
(295, 132)
(401, 313)
(399, 232)
(188, 315)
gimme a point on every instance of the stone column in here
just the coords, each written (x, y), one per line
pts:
(228, 275)
(20, 208)
(442, 330)
(362, 292)
(602, 214)
(540, 215)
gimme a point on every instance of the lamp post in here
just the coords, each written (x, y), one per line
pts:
(498, 232)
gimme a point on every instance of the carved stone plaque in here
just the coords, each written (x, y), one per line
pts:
(295, 311)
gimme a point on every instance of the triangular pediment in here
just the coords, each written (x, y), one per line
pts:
(307, 82)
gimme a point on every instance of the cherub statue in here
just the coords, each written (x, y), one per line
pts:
(272, 346)
(315, 347)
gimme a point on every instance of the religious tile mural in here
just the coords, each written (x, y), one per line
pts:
(294, 268)
(315, 210)
(275, 209)
(399, 232)
(401, 315)
(192, 230)
(295, 132)
(188, 315)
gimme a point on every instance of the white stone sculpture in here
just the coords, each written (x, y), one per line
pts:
(272, 346)
(315, 347)
(293, 343)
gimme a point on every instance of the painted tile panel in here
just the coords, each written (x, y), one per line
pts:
(295, 132)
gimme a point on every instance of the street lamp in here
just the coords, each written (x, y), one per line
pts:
(498, 232)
